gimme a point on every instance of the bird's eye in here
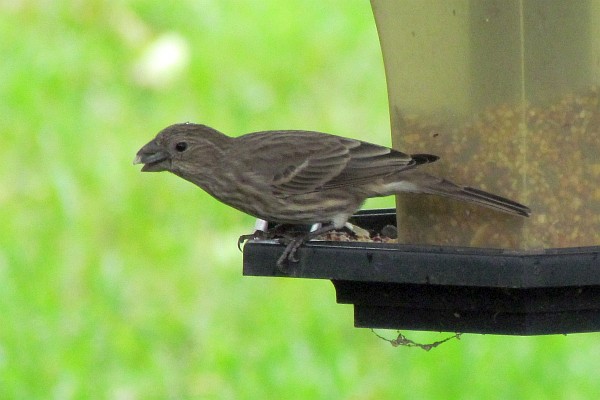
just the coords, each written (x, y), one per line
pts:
(181, 146)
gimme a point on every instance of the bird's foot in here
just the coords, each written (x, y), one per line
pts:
(289, 254)
(257, 235)
(293, 241)
(351, 231)
(278, 231)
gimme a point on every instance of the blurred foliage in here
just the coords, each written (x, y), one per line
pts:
(121, 285)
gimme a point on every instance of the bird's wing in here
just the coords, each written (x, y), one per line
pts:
(369, 161)
(304, 161)
(292, 161)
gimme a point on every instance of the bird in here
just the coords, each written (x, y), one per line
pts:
(298, 177)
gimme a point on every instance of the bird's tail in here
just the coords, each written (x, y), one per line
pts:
(424, 183)
(490, 200)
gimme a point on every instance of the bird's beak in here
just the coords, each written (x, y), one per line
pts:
(153, 157)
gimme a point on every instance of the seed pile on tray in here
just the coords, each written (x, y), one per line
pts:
(360, 236)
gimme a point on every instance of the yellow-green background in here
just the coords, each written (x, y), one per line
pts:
(121, 285)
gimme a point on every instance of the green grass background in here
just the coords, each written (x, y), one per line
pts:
(121, 285)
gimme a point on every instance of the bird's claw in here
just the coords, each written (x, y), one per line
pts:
(277, 232)
(242, 239)
(257, 235)
(292, 257)
(289, 254)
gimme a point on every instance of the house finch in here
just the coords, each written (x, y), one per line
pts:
(298, 177)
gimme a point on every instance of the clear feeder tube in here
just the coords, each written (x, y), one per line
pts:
(505, 92)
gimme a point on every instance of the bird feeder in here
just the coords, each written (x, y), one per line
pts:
(504, 91)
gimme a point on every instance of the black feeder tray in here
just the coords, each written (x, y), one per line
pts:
(450, 289)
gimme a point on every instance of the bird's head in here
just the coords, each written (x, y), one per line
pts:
(184, 149)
